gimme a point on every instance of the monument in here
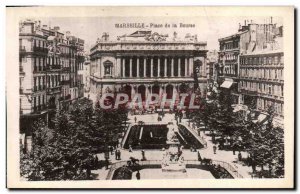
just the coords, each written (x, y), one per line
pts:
(173, 160)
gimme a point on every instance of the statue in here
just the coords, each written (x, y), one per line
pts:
(173, 160)
(171, 136)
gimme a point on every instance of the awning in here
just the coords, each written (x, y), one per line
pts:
(261, 119)
(226, 84)
(239, 107)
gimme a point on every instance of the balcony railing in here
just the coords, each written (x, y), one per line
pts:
(39, 108)
(21, 69)
(67, 97)
(66, 68)
(22, 49)
(40, 49)
(65, 82)
(245, 91)
(53, 67)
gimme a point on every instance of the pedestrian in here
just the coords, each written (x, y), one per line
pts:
(249, 161)
(253, 165)
(130, 148)
(119, 154)
(138, 175)
(240, 156)
(233, 150)
(199, 156)
(96, 161)
(112, 150)
(106, 163)
(143, 155)
(116, 154)
(135, 119)
(215, 149)
(213, 138)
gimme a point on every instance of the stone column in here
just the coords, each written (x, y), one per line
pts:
(204, 68)
(158, 68)
(145, 66)
(185, 67)
(130, 67)
(118, 72)
(151, 67)
(172, 67)
(165, 69)
(123, 67)
(132, 91)
(98, 67)
(191, 66)
(138, 67)
(179, 67)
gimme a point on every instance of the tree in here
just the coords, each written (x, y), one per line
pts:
(267, 146)
(66, 153)
(31, 162)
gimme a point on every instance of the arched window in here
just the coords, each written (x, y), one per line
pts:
(107, 68)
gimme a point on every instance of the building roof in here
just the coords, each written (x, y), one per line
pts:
(232, 36)
(140, 33)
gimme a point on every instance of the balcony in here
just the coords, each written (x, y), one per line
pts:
(21, 70)
(249, 92)
(66, 68)
(53, 67)
(53, 90)
(65, 82)
(38, 109)
(40, 50)
(67, 97)
(22, 49)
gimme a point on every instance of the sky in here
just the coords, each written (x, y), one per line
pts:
(208, 29)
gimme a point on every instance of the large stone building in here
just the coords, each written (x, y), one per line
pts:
(261, 76)
(250, 67)
(228, 65)
(145, 62)
(48, 61)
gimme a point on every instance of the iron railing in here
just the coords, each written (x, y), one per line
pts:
(228, 167)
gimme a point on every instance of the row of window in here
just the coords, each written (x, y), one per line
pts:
(39, 43)
(229, 56)
(264, 88)
(264, 104)
(39, 102)
(40, 63)
(40, 82)
(67, 50)
(263, 60)
(229, 45)
(230, 69)
(262, 73)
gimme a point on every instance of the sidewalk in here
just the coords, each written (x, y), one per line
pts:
(223, 155)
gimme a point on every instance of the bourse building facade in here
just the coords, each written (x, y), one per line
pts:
(147, 63)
